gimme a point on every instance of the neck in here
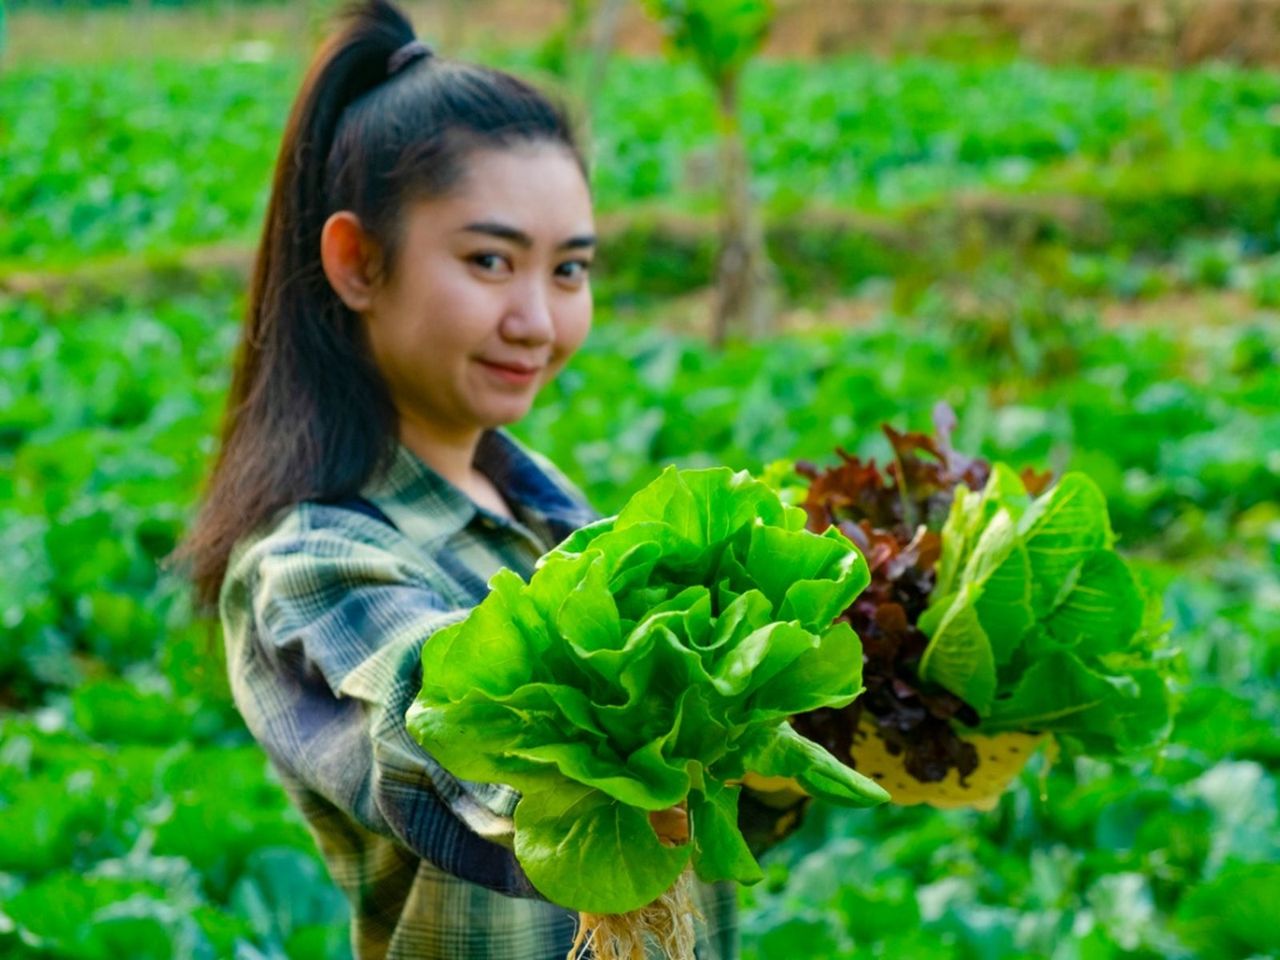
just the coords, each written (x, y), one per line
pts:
(448, 453)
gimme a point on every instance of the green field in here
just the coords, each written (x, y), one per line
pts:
(1083, 263)
(111, 159)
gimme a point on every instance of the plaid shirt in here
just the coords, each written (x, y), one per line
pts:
(324, 614)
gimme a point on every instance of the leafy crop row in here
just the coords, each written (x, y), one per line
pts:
(104, 160)
(136, 809)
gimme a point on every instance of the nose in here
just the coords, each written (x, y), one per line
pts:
(529, 319)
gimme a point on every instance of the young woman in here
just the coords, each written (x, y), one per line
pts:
(422, 274)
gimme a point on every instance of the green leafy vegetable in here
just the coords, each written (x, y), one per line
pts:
(652, 659)
(1037, 623)
(996, 605)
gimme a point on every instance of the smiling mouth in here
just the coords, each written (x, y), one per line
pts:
(517, 373)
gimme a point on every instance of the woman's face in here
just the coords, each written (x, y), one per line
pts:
(490, 294)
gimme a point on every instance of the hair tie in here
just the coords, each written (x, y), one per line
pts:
(411, 51)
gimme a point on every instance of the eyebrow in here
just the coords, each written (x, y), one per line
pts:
(521, 239)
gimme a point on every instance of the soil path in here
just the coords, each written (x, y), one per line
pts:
(1168, 33)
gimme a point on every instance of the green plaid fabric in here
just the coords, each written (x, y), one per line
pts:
(324, 615)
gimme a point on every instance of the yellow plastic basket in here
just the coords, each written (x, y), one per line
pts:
(1001, 758)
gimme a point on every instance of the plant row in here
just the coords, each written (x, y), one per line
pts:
(104, 160)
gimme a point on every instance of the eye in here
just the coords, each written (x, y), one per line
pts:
(574, 269)
(490, 262)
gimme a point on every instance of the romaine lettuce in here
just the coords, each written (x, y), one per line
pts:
(1037, 623)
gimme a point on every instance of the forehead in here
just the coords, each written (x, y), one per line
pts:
(538, 188)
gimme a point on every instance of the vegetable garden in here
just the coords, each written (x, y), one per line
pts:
(1082, 263)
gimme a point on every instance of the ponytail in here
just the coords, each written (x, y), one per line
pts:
(379, 120)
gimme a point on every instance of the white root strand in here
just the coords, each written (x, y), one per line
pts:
(667, 924)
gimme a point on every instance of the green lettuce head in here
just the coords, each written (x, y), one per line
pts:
(653, 659)
(1038, 623)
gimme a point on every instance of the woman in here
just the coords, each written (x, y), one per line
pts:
(422, 274)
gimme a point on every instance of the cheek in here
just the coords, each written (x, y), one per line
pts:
(573, 328)
(449, 319)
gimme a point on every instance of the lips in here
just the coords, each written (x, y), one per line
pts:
(517, 374)
(512, 367)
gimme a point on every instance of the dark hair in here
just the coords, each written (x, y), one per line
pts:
(308, 415)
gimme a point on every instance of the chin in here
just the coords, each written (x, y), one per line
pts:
(504, 414)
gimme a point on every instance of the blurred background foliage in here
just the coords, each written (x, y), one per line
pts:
(1063, 218)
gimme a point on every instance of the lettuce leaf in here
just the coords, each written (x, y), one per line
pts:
(652, 659)
(1038, 624)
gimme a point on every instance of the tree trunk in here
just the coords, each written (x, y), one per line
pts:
(745, 285)
(604, 34)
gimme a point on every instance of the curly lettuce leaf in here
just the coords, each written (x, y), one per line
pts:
(649, 661)
(720, 851)
(563, 829)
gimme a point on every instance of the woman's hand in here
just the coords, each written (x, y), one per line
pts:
(671, 825)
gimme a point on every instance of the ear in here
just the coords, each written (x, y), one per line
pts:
(348, 255)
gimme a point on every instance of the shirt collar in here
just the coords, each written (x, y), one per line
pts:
(428, 508)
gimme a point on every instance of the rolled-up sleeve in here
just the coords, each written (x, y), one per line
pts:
(323, 637)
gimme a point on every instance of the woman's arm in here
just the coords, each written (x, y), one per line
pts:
(323, 637)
